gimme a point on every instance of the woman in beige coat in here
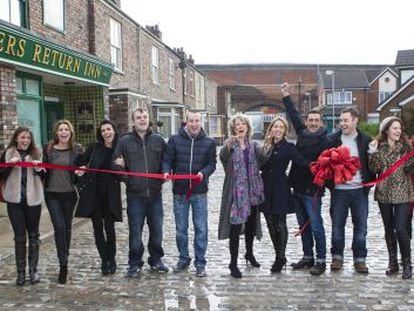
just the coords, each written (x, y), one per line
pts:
(23, 192)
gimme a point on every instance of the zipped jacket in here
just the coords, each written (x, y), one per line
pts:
(142, 156)
(190, 155)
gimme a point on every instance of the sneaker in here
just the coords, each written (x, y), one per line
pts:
(337, 264)
(318, 269)
(180, 266)
(160, 267)
(304, 263)
(361, 267)
(201, 272)
(133, 271)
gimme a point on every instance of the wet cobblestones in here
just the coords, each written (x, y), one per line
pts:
(87, 289)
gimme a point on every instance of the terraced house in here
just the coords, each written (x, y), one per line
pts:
(84, 60)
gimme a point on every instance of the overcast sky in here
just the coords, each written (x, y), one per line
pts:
(274, 31)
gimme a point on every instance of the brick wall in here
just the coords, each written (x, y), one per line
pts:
(76, 32)
(161, 90)
(8, 99)
(129, 76)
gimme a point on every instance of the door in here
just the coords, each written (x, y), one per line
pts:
(28, 114)
(54, 112)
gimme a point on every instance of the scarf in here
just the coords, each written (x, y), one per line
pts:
(247, 189)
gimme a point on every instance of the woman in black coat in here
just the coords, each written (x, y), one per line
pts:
(278, 197)
(100, 195)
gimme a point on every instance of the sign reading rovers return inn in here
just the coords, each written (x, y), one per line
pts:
(26, 50)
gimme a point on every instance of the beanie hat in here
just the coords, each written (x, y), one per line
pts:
(386, 121)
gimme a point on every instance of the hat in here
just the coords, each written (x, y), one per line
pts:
(386, 121)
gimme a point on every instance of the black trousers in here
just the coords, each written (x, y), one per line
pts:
(104, 228)
(278, 232)
(61, 207)
(24, 219)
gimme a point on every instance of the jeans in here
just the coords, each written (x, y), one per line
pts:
(104, 228)
(357, 201)
(200, 223)
(24, 219)
(309, 208)
(139, 208)
(61, 207)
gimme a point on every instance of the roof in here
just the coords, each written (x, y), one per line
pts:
(405, 58)
(345, 79)
(395, 94)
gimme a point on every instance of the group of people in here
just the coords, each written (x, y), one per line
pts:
(255, 182)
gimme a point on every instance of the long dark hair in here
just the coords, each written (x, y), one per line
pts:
(32, 149)
(383, 135)
(99, 137)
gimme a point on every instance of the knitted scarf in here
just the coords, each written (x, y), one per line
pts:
(247, 184)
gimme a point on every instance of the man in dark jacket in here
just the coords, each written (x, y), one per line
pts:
(351, 195)
(142, 151)
(312, 140)
(191, 152)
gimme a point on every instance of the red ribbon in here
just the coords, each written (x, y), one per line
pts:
(195, 179)
(380, 178)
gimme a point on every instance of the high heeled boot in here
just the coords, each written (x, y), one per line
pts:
(34, 245)
(234, 253)
(393, 266)
(20, 254)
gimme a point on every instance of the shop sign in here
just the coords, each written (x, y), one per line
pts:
(26, 50)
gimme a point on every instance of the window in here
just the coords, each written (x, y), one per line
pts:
(171, 73)
(54, 14)
(154, 64)
(341, 98)
(13, 11)
(116, 44)
(189, 90)
(215, 126)
(383, 95)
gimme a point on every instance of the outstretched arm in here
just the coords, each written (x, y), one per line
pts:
(291, 110)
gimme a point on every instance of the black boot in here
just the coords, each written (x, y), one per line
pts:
(103, 253)
(234, 251)
(278, 265)
(63, 274)
(111, 246)
(34, 244)
(393, 266)
(249, 234)
(405, 248)
(20, 253)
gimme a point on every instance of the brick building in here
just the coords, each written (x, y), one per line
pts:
(47, 70)
(255, 89)
(401, 102)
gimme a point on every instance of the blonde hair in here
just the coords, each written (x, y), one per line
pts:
(55, 141)
(270, 141)
(242, 118)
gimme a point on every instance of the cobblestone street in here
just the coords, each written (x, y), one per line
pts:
(87, 289)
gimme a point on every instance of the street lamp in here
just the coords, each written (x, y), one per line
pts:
(309, 95)
(332, 74)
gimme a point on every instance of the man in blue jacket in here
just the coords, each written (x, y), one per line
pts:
(191, 151)
(312, 140)
(142, 151)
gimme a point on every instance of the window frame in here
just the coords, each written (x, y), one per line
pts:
(63, 30)
(22, 13)
(341, 98)
(116, 46)
(171, 74)
(155, 64)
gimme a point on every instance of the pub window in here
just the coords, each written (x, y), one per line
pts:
(54, 14)
(116, 44)
(13, 11)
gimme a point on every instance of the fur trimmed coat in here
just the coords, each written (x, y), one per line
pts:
(12, 185)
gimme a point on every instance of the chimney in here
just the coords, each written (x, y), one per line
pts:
(190, 59)
(155, 30)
